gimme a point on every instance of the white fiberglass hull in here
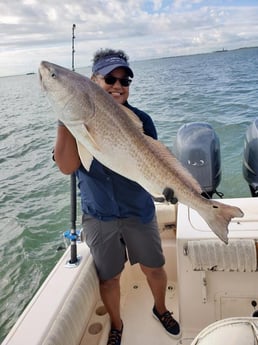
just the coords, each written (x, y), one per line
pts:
(67, 310)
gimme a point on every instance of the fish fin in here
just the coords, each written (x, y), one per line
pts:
(85, 156)
(89, 135)
(132, 116)
(219, 217)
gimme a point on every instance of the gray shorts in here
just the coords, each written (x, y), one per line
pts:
(111, 241)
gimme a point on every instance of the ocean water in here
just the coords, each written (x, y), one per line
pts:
(218, 88)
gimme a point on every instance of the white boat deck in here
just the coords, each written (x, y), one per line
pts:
(140, 327)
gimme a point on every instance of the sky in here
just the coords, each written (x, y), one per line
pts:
(35, 30)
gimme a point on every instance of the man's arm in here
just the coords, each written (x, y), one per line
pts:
(66, 153)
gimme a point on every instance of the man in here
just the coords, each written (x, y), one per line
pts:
(117, 213)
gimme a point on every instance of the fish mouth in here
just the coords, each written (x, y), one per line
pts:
(40, 74)
(41, 80)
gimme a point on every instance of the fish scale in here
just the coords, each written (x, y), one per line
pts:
(114, 136)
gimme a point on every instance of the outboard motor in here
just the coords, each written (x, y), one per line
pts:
(197, 147)
(250, 160)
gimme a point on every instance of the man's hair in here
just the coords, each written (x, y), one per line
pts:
(102, 53)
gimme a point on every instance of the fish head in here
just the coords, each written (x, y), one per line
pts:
(70, 93)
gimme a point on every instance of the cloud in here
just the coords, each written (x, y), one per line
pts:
(31, 30)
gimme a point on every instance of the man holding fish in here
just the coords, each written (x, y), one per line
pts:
(118, 214)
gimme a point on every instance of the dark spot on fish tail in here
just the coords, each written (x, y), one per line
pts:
(214, 206)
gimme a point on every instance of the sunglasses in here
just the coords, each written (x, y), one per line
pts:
(110, 80)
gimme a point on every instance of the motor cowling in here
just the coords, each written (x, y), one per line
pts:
(197, 147)
(250, 157)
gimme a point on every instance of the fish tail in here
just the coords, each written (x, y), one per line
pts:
(218, 217)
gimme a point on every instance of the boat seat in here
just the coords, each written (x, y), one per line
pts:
(74, 315)
(213, 255)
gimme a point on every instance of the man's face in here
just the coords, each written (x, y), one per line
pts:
(119, 92)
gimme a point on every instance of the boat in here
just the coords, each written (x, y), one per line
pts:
(212, 287)
(223, 50)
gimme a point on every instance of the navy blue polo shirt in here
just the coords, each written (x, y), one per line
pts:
(107, 195)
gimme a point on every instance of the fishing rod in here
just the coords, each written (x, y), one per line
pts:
(73, 234)
(73, 50)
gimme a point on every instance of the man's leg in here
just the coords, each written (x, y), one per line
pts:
(157, 280)
(110, 294)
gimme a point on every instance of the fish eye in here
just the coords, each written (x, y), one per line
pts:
(52, 73)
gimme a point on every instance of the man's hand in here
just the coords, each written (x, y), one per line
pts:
(169, 195)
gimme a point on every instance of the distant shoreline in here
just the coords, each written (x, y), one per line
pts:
(226, 50)
(156, 58)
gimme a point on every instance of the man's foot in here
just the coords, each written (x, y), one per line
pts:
(115, 336)
(168, 322)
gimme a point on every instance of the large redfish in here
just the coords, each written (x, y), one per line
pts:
(113, 135)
